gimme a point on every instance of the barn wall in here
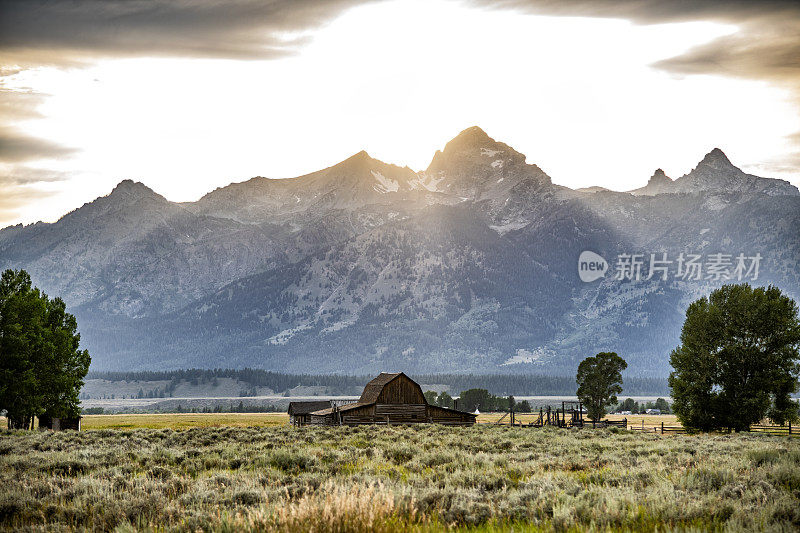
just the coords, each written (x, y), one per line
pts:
(396, 414)
(359, 415)
(401, 390)
(448, 417)
(320, 420)
(400, 413)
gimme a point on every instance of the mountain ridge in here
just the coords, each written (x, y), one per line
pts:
(468, 265)
(703, 177)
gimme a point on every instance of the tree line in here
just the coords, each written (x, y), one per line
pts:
(499, 384)
(738, 362)
(629, 405)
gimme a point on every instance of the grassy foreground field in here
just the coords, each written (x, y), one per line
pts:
(423, 478)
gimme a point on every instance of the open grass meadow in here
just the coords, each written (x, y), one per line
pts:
(377, 478)
(195, 420)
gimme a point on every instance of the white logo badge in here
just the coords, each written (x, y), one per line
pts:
(591, 266)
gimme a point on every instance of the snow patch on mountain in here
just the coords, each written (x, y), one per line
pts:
(339, 326)
(286, 335)
(526, 356)
(384, 184)
(502, 229)
(427, 181)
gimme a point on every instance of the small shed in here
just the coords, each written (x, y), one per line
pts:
(299, 411)
(391, 398)
(59, 424)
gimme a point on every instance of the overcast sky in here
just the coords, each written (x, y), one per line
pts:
(190, 96)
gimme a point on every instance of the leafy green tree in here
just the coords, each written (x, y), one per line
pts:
(430, 397)
(738, 359)
(599, 381)
(523, 407)
(662, 405)
(629, 405)
(475, 399)
(41, 367)
(445, 400)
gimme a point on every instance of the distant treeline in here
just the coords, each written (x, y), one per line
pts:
(499, 384)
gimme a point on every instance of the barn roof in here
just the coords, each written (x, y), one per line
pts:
(303, 408)
(346, 407)
(374, 387)
(449, 410)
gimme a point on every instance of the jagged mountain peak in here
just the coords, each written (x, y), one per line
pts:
(658, 183)
(716, 172)
(714, 166)
(360, 162)
(128, 187)
(475, 146)
(474, 141)
(717, 159)
(659, 177)
(360, 156)
(472, 136)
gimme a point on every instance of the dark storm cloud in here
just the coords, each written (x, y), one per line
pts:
(16, 147)
(47, 31)
(769, 52)
(70, 33)
(90, 28)
(766, 45)
(651, 11)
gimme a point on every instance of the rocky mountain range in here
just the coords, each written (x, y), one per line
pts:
(468, 266)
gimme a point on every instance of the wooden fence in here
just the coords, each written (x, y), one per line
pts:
(662, 429)
(535, 420)
(787, 430)
(776, 430)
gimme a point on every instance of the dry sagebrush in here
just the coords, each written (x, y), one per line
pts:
(421, 478)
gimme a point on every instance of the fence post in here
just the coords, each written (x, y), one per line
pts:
(790, 427)
(662, 428)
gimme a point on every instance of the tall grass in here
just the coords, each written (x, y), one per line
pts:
(423, 478)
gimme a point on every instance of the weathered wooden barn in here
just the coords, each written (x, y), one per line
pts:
(391, 399)
(299, 412)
